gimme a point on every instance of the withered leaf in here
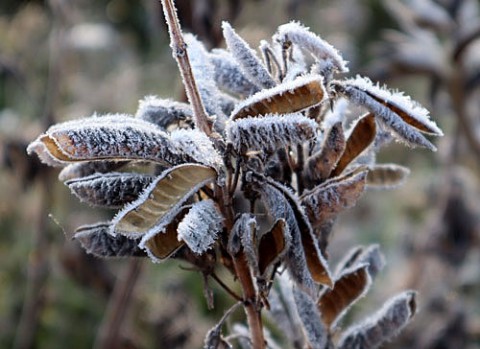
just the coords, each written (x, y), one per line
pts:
(362, 135)
(324, 202)
(272, 246)
(386, 176)
(288, 97)
(159, 203)
(383, 325)
(110, 137)
(369, 255)
(111, 190)
(348, 287)
(162, 245)
(97, 240)
(320, 164)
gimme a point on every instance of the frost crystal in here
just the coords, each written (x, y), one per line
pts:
(199, 228)
(197, 145)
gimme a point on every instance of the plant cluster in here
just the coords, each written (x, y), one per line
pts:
(250, 177)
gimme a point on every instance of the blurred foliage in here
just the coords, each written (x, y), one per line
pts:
(106, 55)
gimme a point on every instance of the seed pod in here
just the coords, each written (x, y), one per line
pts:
(111, 190)
(386, 176)
(362, 135)
(288, 97)
(159, 203)
(97, 240)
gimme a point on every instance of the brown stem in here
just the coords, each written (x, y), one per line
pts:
(242, 271)
(109, 335)
(179, 49)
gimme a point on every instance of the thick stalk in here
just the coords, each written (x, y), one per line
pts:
(179, 50)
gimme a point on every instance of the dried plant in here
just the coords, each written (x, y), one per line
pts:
(250, 175)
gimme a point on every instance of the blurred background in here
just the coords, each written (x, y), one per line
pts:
(62, 60)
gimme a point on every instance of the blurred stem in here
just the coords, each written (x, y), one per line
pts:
(179, 50)
(38, 265)
(109, 334)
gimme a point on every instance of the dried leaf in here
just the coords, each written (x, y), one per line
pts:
(382, 326)
(161, 200)
(84, 169)
(351, 285)
(247, 58)
(245, 223)
(320, 165)
(272, 246)
(296, 33)
(362, 135)
(268, 134)
(288, 97)
(229, 76)
(97, 240)
(111, 190)
(386, 176)
(111, 137)
(163, 112)
(313, 326)
(200, 226)
(327, 200)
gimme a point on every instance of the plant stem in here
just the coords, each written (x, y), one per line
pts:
(179, 50)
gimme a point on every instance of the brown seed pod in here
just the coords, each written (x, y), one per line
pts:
(362, 135)
(160, 201)
(288, 97)
(349, 287)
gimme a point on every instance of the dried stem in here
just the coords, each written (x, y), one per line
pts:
(109, 335)
(179, 49)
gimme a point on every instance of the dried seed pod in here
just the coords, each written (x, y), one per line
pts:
(110, 137)
(197, 146)
(204, 74)
(362, 135)
(386, 176)
(327, 200)
(165, 243)
(269, 133)
(288, 97)
(295, 33)
(244, 223)
(229, 76)
(320, 165)
(306, 264)
(272, 246)
(97, 240)
(111, 190)
(369, 255)
(163, 112)
(200, 226)
(84, 169)
(247, 59)
(383, 325)
(313, 326)
(362, 92)
(351, 285)
(159, 203)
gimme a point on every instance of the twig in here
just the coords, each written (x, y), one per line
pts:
(225, 287)
(109, 335)
(179, 49)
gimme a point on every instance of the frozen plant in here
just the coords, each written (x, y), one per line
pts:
(250, 175)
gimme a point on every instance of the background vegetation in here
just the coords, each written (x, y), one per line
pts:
(62, 60)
